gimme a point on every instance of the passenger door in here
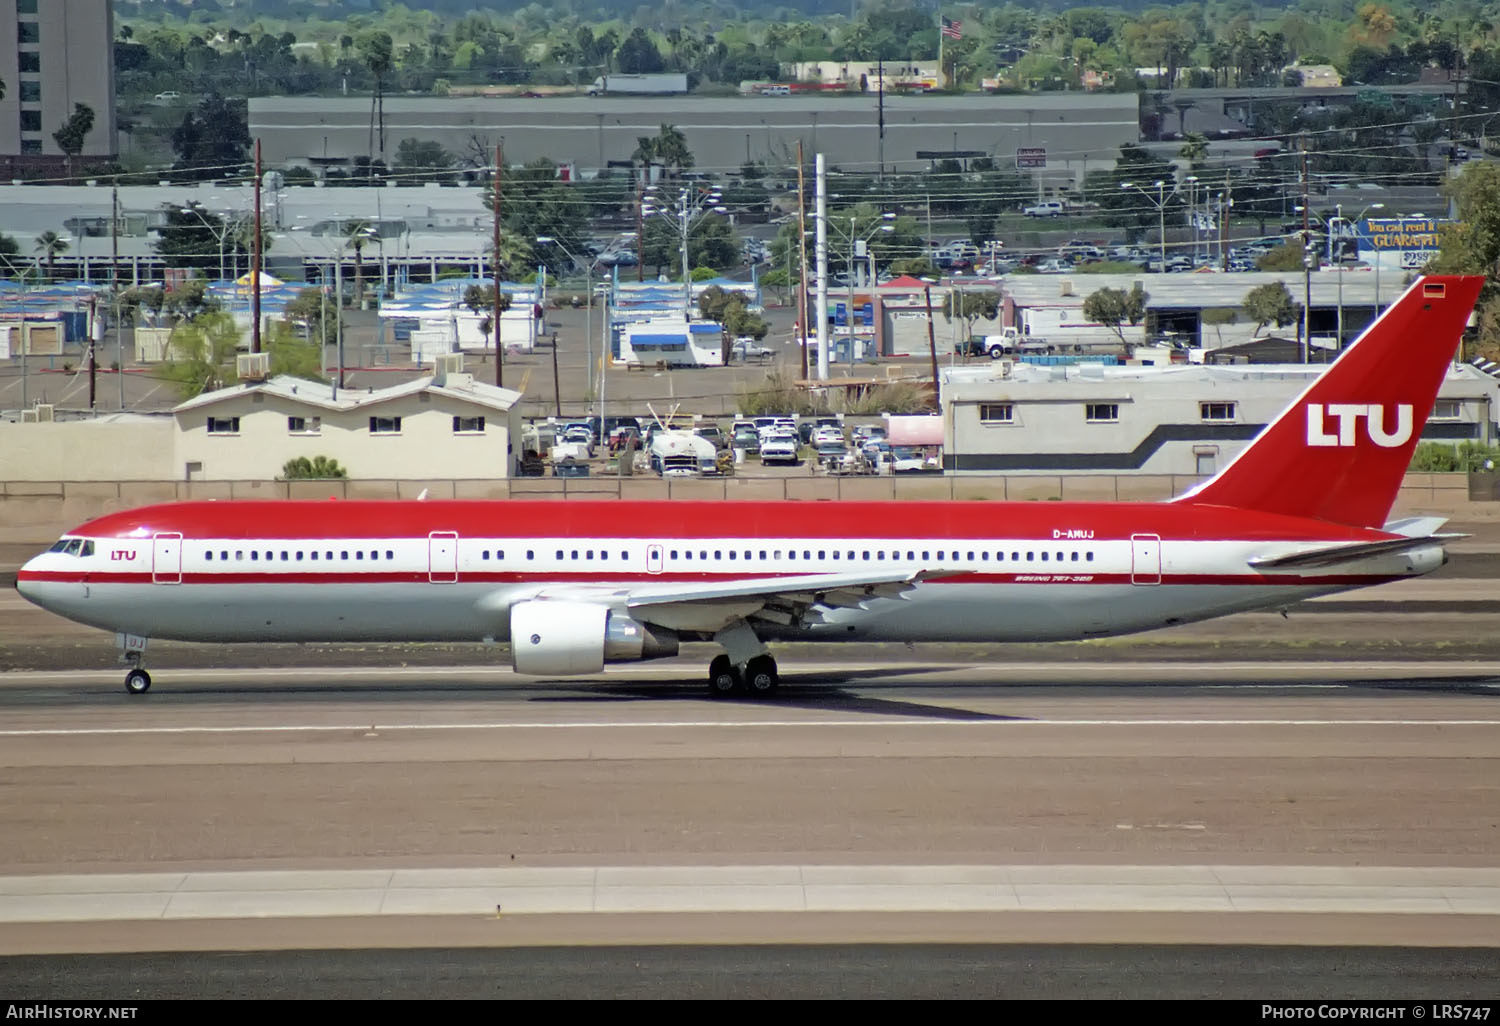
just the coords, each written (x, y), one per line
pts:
(166, 559)
(1145, 559)
(442, 557)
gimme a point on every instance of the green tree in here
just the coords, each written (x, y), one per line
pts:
(1271, 303)
(970, 306)
(319, 468)
(1471, 245)
(213, 137)
(71, 135)
(423, 160)
(731, 311)
(1217, 317)
(1114, 307)
(201, 354)
(1286, 257)
(10, 249)
(481, 300)
(312, 313)
(51, 246)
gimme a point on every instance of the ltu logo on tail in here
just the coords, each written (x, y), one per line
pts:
(1348, 416)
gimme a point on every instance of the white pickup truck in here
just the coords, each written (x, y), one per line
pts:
(1046, 208)
(747, 349)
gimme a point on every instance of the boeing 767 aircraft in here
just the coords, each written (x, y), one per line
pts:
(1301, 512)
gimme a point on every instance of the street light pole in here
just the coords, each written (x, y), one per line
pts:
(1161, 214)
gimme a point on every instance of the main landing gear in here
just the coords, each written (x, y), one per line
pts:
(745, 668)
(758, 677)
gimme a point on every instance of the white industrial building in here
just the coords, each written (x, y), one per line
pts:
(1186, 419)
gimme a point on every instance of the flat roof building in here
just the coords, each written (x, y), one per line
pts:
(1071, 130)
(54, 54)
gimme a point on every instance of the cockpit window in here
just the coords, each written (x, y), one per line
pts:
(60, 545)
(74, 547)
(88, 549)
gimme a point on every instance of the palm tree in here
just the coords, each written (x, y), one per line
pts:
(51, 245)
(672, 150)
(357, 235)
(377, 51)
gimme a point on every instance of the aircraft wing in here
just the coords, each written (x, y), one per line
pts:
(1336, 554)
(710, 605)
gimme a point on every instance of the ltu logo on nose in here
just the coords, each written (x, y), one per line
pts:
(1349, 415)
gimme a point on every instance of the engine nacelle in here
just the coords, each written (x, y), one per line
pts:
(558, 638)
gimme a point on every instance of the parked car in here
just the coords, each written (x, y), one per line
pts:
(1054, 266)
(169, 96)
(747, 440)
(1046, 208)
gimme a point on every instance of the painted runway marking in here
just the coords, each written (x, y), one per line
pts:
(366, 728)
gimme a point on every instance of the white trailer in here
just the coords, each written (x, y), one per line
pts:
(606, 85)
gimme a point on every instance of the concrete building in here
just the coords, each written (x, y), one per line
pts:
(54, 54)
(1073, 131)
(1151, 420)
(444, 426)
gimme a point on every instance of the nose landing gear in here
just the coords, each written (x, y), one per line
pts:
(132, 654)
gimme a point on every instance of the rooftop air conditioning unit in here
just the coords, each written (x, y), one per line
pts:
(253, 366)
(44, 413)
(449, 363)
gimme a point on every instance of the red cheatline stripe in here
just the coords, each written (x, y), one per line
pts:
(385, 577)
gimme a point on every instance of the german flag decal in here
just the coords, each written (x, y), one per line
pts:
(1433, 290)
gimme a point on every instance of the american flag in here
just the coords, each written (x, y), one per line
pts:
(953, 28)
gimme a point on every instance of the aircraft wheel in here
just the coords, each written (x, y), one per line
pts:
(761, 677)
(137, 682)
(722, 680)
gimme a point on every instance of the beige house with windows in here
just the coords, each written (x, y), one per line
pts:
(447, 426)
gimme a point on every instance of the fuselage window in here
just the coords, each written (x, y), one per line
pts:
(1059, 557)
(718, 553)
(389, 554)
(589, 554)
(1075, 557)
(1030, 557)
(1015, 557)
(776, 554)
(702, 553)
(880, 554)
(763, 554)
(807, 554)
(314, 555)
(74, 547)
(835, 555)
(971, 557)
(499, 554)
(359, 554)
(984, 557)
(851, 553)
(224, 554)
(925, 554)
(239, 554)
(1044, 557)
(485, 554)
(531, 553)
(254, 556)
(940, 555)
(343, 554)
(61, 545)
(210, 555)
(731, 553)
(911, 554)
(575, 553)
(1089, 557)
(687, 554)
(328, 556)
(673, 554)
(299, 555)
(820, 554)
(559, 555)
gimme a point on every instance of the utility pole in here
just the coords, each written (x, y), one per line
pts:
(802, 324)
(820, 188)
(495, 273)
(879, 120)
(640, 230)
(96, 335)
(932, 345)
(255, 263)
(114, 284)
(1306, 265)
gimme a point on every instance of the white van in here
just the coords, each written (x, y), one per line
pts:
(776, 90)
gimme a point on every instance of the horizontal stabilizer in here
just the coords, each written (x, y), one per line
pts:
(1348, 553)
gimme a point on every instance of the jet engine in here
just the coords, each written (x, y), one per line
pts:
(555, 638)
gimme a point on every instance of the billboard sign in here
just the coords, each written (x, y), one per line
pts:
(1399, 234)
(1031, 157)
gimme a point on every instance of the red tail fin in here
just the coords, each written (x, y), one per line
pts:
(1339, 451)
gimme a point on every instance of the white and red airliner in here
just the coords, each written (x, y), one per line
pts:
(571, 586)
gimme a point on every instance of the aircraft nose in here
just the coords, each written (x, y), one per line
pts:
(27, 583)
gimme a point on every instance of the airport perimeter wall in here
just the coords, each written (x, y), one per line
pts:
(38, 511)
